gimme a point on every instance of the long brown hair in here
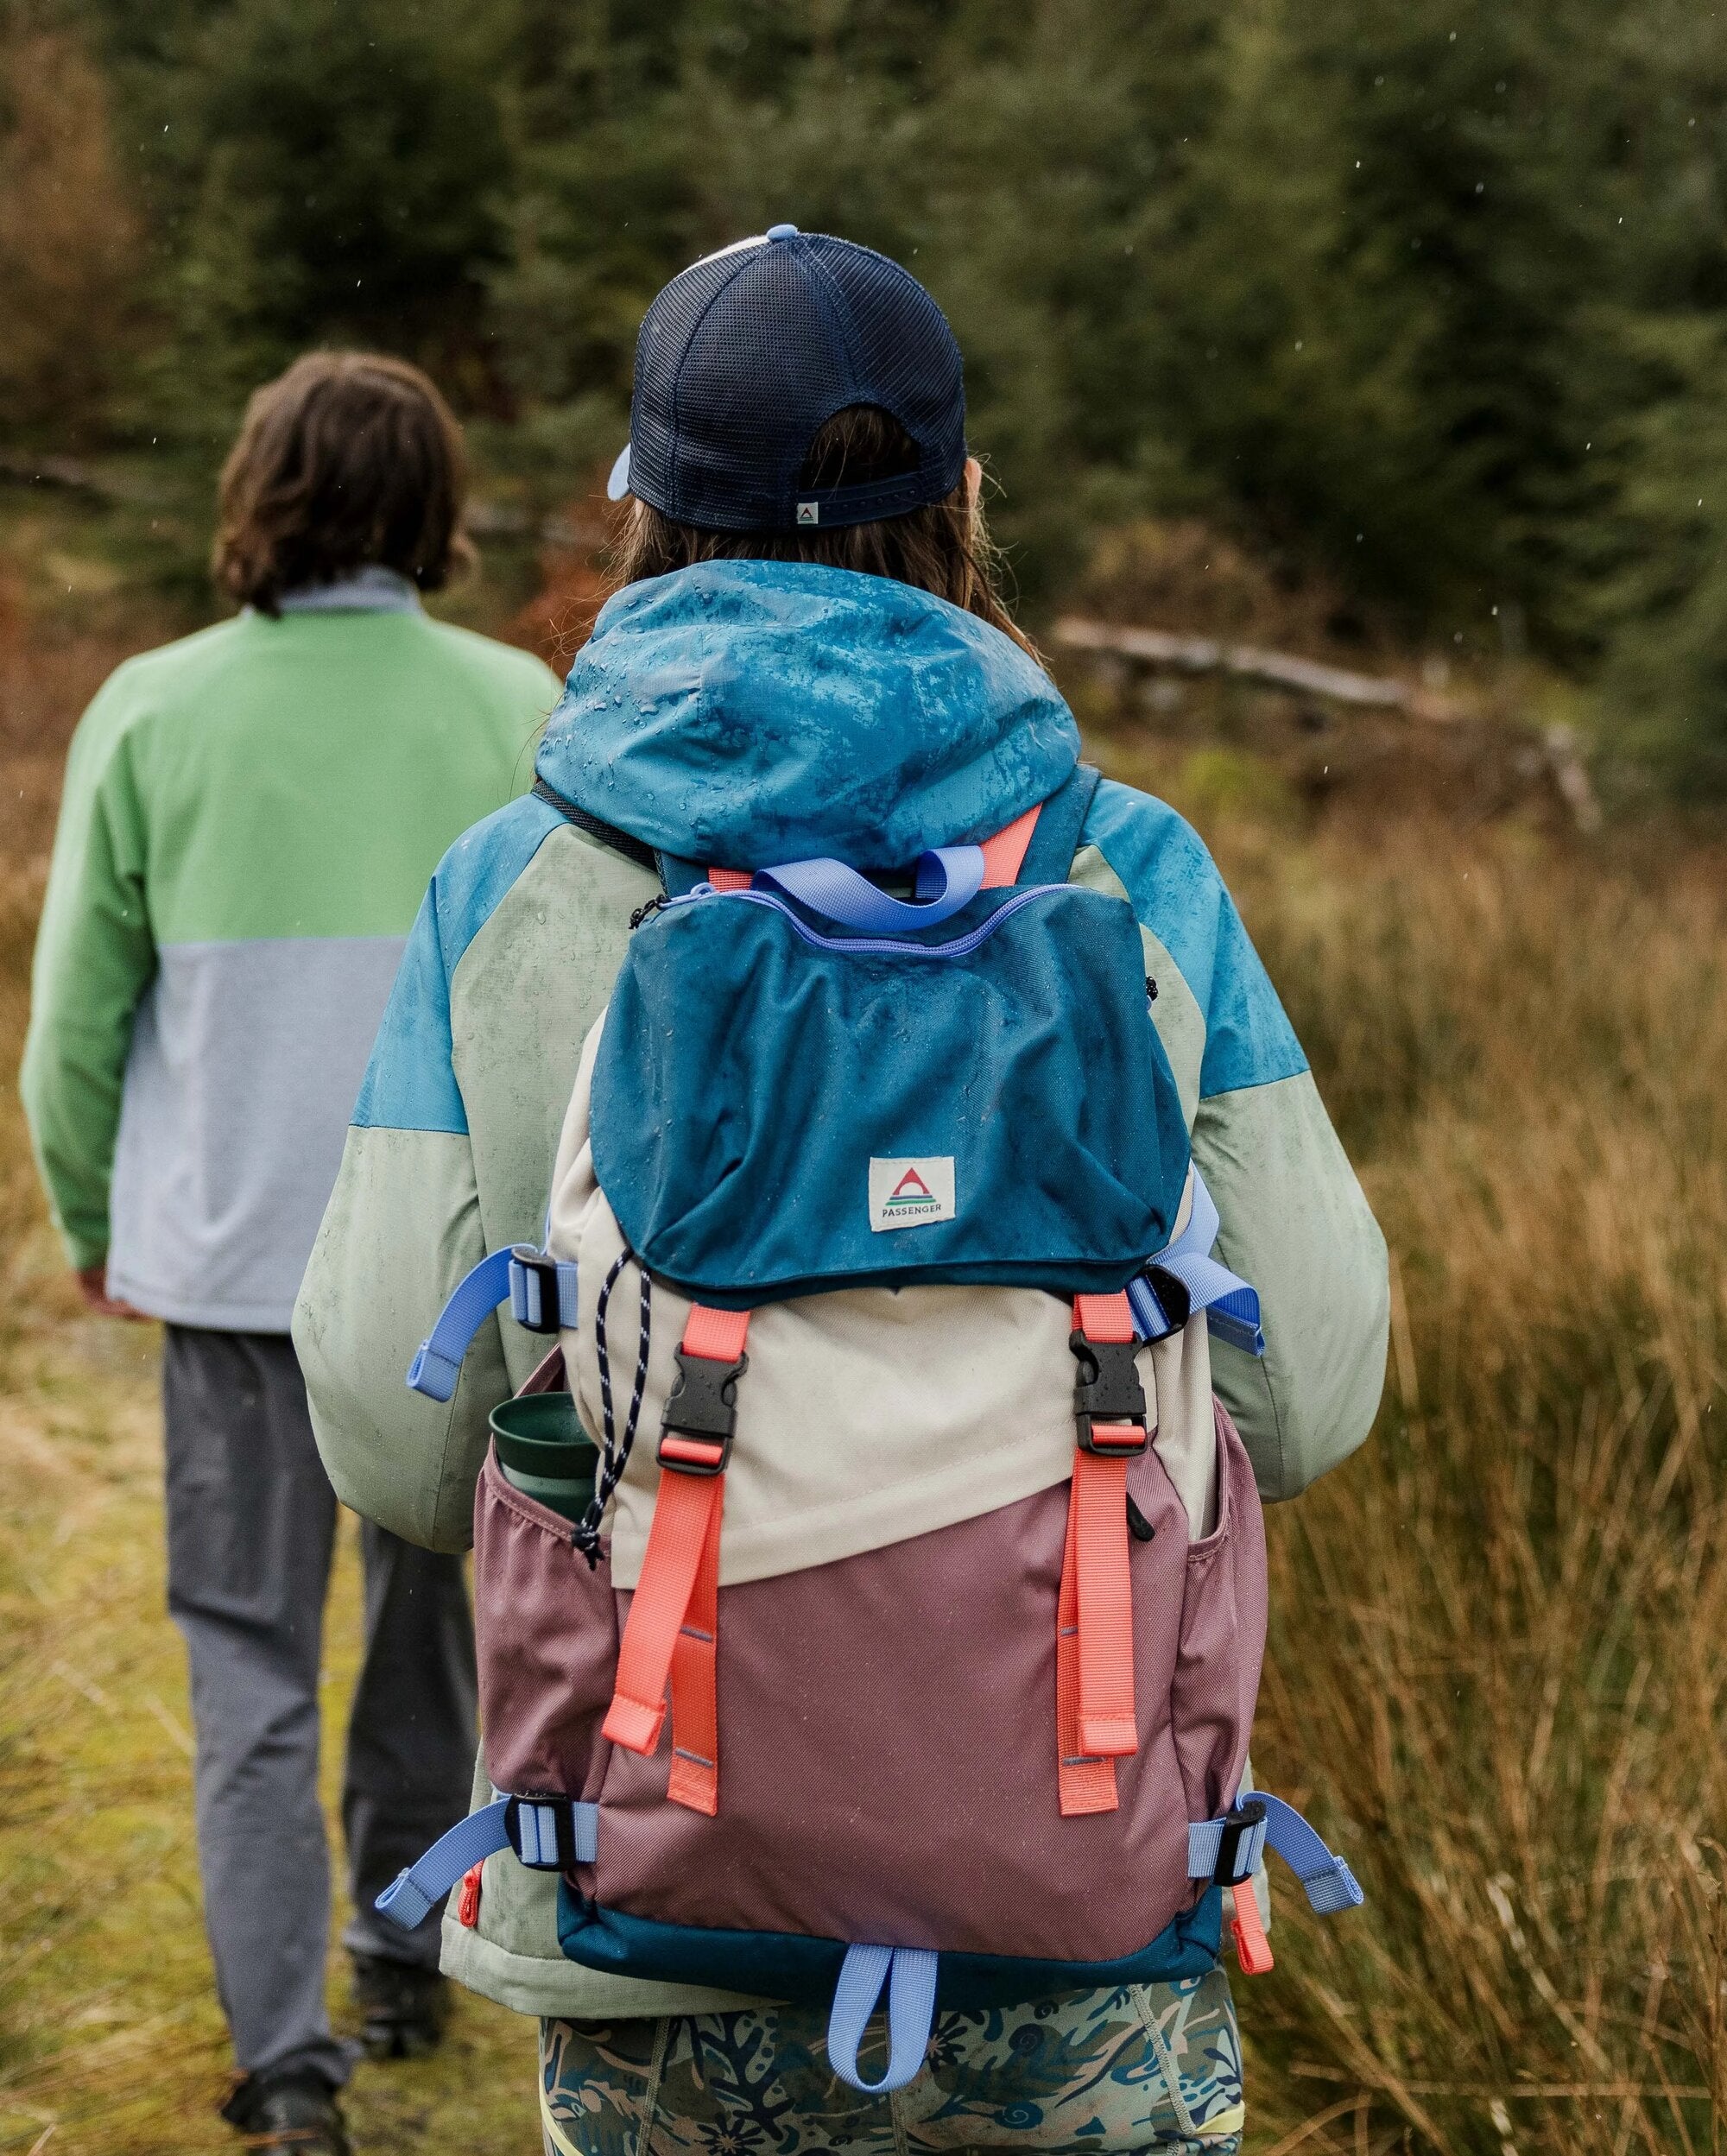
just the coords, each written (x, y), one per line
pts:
(347, 459)
(945, 548)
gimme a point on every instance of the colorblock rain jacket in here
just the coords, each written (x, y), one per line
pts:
(741, 714)
(249, 818)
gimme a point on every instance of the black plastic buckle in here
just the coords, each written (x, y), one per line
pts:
(1108, 1391)
(545, 1271)
(564, 1827)
(703, 1406)
(1237, 1825)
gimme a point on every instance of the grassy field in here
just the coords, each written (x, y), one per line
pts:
(1498, 1671)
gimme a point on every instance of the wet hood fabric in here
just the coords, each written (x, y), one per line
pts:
(745, 713)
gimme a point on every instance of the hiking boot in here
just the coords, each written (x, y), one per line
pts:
(296, 2113)
(404, 2007)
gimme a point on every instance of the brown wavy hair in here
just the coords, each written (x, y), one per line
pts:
(347, 459)
(945, 547)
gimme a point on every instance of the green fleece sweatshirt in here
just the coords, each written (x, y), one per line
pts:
(249, 820)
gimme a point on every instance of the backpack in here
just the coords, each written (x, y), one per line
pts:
(917, 1649)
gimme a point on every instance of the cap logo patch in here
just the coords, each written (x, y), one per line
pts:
(809, 512)
(911, 1193)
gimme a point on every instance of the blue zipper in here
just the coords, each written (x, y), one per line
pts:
(879, 946)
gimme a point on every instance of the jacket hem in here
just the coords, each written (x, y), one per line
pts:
(563, 1991)
(208, 1316)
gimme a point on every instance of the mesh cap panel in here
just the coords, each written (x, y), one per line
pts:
(745, 357)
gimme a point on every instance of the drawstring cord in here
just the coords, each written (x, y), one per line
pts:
(615, 1456)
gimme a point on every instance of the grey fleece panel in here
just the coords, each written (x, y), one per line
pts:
(1175, 1010)
(552, 947)
(1296, 1224)
(402, 1228)
(245, 1063)
(512, 1955)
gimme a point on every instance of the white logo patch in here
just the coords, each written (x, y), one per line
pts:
(809, 512)
(911, 1193)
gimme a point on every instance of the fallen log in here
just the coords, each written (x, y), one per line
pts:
(1558, 747)
(1280, 669)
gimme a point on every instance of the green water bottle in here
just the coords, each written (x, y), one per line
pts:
(545, 1452)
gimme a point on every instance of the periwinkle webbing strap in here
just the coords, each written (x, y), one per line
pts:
(909, 1974)
(1328, 1882)
(1231, 1306)
(437, 1368)
(520, 1277)
(410, 1900)
(947, 878)
(551, 1834)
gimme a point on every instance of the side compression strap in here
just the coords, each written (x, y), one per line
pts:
(541, 1294)
(671, 1631)
(909, 1974)
(437, 1365)
(546, 1834)
(1226, 1851)
(1231, 1307)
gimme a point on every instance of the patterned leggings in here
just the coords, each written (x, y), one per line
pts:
(1096, 2073)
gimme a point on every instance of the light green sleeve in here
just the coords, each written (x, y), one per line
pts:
(402, 1228)
(1297, 1224)
(95, 957)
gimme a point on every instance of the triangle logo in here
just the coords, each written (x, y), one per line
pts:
(911, 1193)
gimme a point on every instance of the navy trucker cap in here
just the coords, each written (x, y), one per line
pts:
(746, 354)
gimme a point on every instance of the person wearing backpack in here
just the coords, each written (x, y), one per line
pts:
(946, 1251)
(248, 818)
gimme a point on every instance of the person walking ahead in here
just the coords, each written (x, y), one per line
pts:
(249, 820)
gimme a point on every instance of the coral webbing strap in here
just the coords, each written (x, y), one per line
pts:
(694, 1780)
(672, 1632)
(730, 879)
(1004, 855)
(1094, 1662)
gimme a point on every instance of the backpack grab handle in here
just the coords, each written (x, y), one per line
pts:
(948, 877)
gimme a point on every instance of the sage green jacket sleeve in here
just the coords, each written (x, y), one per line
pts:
(1295, 1222)
(451, 1154)
(95, 957)
(402, 1228)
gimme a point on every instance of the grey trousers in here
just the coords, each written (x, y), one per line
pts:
(251, 1521)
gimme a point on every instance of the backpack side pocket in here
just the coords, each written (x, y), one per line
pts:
(1222, 1638)
(546, 1630)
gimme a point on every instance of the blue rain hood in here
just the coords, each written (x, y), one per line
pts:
(747, 713)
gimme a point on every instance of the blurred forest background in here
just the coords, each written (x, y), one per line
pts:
(1423, 303)
(1389, 334)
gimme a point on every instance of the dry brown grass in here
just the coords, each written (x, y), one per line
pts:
(69, 235)
(1498, 1671)
(1498, 1668)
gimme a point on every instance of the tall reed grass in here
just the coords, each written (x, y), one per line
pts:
(1498, 1662)
(1498, 1675)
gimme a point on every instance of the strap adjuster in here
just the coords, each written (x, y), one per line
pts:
(701, 1414)
(1108, 1400)
(1241, 1844)
(545, 1832)
(535, 1297)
